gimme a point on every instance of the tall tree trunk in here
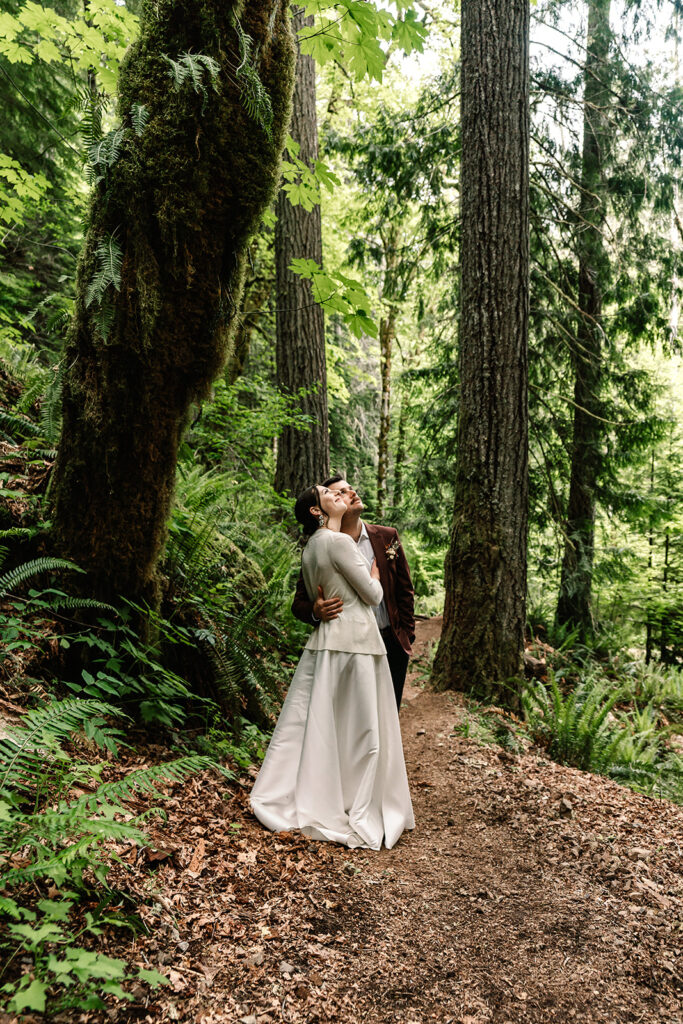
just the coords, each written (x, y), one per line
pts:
(387, 334)
(484, 614)
(160, 276)
(303, 457)
(253, 309)
(397, 496)
(574, 602)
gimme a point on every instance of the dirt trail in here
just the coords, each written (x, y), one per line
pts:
(527, 893)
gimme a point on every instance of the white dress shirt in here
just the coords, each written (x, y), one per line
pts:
(365, 548)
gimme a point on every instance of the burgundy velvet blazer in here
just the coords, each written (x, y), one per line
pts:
(394, 575)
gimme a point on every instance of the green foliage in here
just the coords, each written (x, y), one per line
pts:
(578, 725)
(302, 184)
(11, 580)
(109, 257)
(62, 839)
(139, 116)
(352, 33)
(20, 191)
(245, 747)
(254, 96)
(127, 669)
(103, 154)
(338, 293)
(195, 69)
(93, 41)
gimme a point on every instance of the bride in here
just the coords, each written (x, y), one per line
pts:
(334, 768)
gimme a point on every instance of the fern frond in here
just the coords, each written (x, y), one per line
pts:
(139, 116)
(21, 759)
(67, 603)
(33, 568)
(18, 426)
(19, 533)
(255, 99)
(144, 780)
(104, 153)
(109, 256)
(34, 389)
(51, 408)
(93, 105)
(103, 317)
(194, 68)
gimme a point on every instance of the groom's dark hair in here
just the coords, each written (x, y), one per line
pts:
(332, 480)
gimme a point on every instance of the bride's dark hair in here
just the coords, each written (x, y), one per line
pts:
(302, 510)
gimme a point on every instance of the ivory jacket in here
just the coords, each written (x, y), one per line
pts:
(394, 576)
(332, 561)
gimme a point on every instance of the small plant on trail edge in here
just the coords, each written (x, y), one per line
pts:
(54, 843)
(246, 746)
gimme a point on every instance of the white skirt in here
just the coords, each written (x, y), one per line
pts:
(334, 768)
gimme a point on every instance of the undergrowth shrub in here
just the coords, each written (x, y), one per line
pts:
(586, 725)
(53, 843)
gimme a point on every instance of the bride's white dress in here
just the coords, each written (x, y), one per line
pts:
(334, 768)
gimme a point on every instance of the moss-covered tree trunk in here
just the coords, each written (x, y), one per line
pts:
(181, 192)
(574, 602)
(303, 456)
(484, 614)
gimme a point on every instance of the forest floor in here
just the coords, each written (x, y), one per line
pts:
(528, 892)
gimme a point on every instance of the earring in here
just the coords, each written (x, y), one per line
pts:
(321, 519)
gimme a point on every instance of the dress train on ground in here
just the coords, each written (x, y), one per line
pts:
(334, 768)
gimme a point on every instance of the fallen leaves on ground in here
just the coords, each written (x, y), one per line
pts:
(529, 892)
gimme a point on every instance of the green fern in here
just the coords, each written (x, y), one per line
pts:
(139, 116)
(104, 153)
(44, 387)
(103, 317)
(51, 406)
(194, 69)
(28, 570)
(255, 99)
(22, 748)
(33, 390)
(93, 105)
(18, 427)
(109, 257)
(19, 533)
(581, 729)
(64, 602)
(60, 836)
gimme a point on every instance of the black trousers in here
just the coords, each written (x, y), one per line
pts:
(398, 662)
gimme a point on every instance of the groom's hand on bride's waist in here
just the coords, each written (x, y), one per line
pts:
(324, 608)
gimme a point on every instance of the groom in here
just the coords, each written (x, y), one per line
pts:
(395, 615)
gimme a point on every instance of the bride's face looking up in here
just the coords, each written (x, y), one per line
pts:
(332, 505)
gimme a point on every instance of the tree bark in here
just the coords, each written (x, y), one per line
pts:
(392, 293)
(397, 496)
(387, 334)
(303, 457)
(179, 204)
(253, 310)
(484, 614)
(574, 601)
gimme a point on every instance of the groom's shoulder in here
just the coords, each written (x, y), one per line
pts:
(382, 531)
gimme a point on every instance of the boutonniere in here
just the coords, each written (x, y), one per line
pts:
(392, 550)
